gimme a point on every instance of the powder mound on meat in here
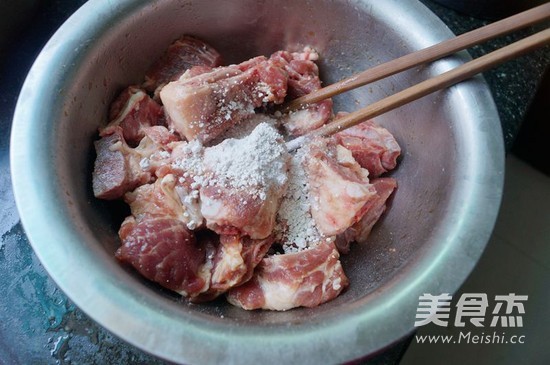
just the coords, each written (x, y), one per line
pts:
(255, 162)
(218, 206)
(244, 182)
(296, 229)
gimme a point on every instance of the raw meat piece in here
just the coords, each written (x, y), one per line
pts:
(372, 146)
(164, 251)
(165, 199)
(234, 263)
(160, 136)
(180, 56)
(244, 182)
(303, 78)
(119, 168)
(155, 200)
(236, 211)
(195, 71)
(185, 163)
(303, 73)
(185, 167)
(153, 151)
(116, 168)
(338, 186)
(302, 279)
(132, 111)
(204, 106)
(375, 207)
(301, 121)
(384, 188)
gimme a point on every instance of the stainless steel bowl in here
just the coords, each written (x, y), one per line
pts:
(450, 177)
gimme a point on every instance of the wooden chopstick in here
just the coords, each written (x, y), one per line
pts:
(426, 87)
(435, 52)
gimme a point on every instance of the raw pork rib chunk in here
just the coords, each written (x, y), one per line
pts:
(339, 187)
(303, 78)
(374, 147)
(375, 207)
(384, 188)
(183, 54)
(306, 278)
(164, 251)
(244, 182)
(130, 145)
(204, 106)
(119, 168)
(116, 168)
(233, 263)
(133, 110)
(164, 198)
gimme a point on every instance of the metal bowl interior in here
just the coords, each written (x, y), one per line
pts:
(450, 175)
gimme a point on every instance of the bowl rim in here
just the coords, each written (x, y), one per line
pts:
(216, 342)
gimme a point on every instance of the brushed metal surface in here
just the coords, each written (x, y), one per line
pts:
(450, 176)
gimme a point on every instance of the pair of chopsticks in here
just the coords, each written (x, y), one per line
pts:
(435, 52)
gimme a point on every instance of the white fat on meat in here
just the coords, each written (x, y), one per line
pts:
(286, 295)
(120, 168)
(164, 199)
(300, 279)
(338, 186)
